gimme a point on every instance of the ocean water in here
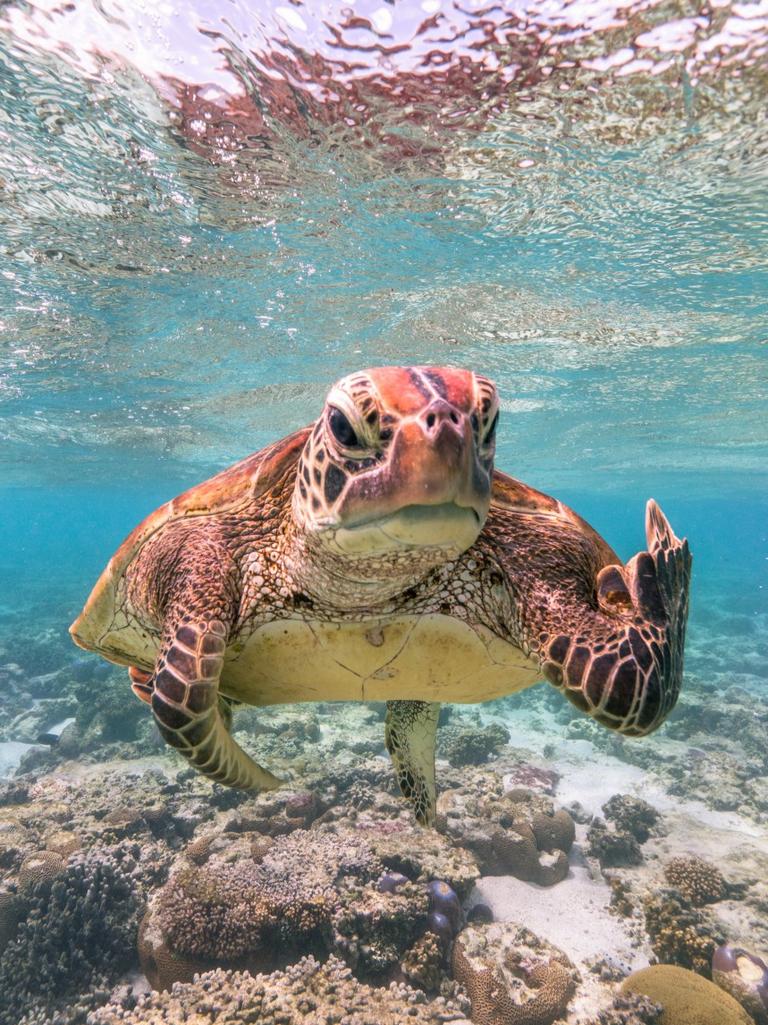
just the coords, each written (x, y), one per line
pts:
(210, 211)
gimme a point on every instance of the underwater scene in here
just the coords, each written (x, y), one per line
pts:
(549, 220)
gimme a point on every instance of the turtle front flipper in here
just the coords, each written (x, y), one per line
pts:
(623, 664)
(188, 708)
(410, 731)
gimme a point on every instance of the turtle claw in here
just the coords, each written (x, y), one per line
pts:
(658, 532)
(141, 684)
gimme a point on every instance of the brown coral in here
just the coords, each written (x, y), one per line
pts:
(311, 891)
(687, 999)
(517, 833)
(697, 880)
(422, 963)
(679, 934)
(306, 993)
(511, 977)
(40, 867)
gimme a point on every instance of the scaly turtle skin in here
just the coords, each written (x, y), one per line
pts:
(376, 555)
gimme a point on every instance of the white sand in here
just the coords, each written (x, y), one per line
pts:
(573, 914)
(11, 753)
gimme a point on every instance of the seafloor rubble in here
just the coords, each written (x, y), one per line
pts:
(565, 862)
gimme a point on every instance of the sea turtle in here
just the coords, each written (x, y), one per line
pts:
(377, 555)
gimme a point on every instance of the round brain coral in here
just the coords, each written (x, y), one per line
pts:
(687, 999)
(697, 880)
(511, 976)
(43, 866)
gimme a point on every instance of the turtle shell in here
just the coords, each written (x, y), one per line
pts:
(236, 486)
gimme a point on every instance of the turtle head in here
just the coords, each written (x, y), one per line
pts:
(398, 468)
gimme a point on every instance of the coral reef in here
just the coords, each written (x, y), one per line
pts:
(231, 906)
(315, 891)
(514, 833)
(631, 815)
(511, 976)
(613, 848)
(373, 930)
(681, 935)
(745, 977)
(471, 745)
(699, 882)
(687, 999)
(630, 1009)
(422, 964)
(616, 842)
(421, 854)
(306, 993)
(93, 900)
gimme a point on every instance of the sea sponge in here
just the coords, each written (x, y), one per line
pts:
(745, 977)
(687, 998)
(511, 977)
(697, 880)
(679, 934)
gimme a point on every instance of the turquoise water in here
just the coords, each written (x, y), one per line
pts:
(191, 259)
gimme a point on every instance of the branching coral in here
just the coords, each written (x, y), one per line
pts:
(422, 963)
(309, 892)
(223, 910)
(93, 899)
(471, 745)
(306, 993)
(679, 934)
(698, 881)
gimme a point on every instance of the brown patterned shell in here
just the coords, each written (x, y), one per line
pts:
(226, 491)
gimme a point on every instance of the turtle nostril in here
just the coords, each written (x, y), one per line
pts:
(430, 420)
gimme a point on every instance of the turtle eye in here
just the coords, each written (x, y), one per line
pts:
(490, 434)
(342, 429)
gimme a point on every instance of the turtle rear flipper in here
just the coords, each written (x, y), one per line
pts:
(410, 732)
(624, 664)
